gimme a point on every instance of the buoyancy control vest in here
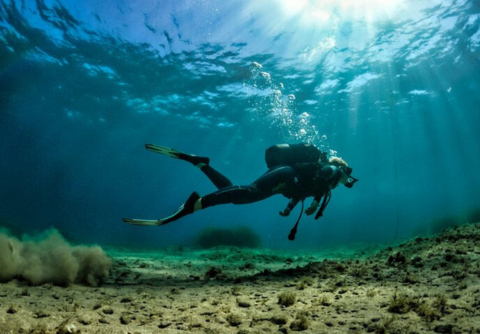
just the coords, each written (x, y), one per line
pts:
(294, 154)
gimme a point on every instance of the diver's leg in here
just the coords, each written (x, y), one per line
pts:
(232, 195)
(274, 181)
(219, 180)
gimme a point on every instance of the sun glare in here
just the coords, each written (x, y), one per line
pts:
(321, 11)
(294, 6)
(321, 15)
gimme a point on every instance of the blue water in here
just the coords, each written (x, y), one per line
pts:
(392, 87)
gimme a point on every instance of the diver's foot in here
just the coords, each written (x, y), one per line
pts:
(187, 208)
(193, 159)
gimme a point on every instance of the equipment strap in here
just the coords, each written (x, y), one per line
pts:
(326, 200)
(293, 232)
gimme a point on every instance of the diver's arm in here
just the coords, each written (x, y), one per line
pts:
(291, 204)
(313, 207)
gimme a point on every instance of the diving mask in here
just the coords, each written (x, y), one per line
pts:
(351, 180)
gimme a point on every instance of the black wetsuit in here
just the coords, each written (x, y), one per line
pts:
(296, 183)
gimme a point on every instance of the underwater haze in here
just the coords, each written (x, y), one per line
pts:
(392, 87)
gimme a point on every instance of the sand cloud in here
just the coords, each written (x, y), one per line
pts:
(49, 258)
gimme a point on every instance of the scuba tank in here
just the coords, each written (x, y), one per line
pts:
(291, 154)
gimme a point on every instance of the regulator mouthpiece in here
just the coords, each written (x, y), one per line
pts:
(351, 181)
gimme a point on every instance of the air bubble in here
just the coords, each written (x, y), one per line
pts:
(265, 75)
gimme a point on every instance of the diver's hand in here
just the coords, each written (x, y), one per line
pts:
(313, 207)
(285, 212)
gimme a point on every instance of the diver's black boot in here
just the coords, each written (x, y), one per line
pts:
(193, 159)
(184, 210)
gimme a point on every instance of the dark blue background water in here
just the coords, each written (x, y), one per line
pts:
(392, 88)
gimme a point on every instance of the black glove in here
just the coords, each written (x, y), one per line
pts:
(285, 212)
(312, 208)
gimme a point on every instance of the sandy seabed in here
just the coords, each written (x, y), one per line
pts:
(426, 285)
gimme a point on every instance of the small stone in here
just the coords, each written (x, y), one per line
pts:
(41, 314)
(67, 328)
(108, 311)
(242, 302)
(234, 319)
(446, 329)
(213, 272)
(164, 325)
(279, 319)
(12, 310)
(126, 318)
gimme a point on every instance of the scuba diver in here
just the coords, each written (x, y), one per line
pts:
(296, 171)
